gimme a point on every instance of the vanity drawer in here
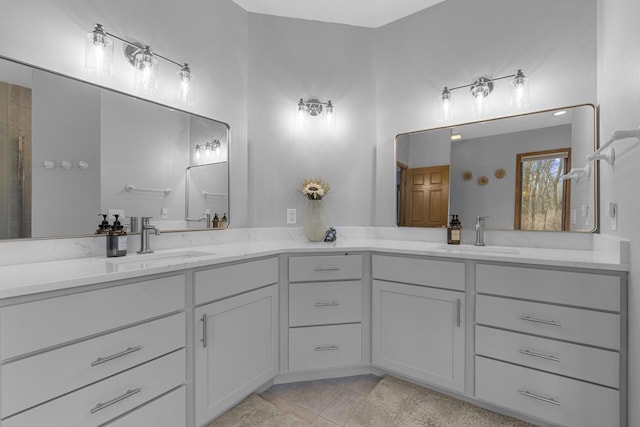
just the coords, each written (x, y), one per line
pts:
(32, 326)
(418, 271)
(545, 396)
(329, 267)
(325, 347)
(562, 287)
(222, 282)
(571, 360)
(169, 410)
(570, 324)
(30, 381)
(324, 303)
(107, 399)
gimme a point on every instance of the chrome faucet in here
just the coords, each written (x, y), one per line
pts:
(144, 235)
(480, 230)
(206, 218)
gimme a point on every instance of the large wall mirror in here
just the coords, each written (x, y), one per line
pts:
(509, 169)
(70, 150)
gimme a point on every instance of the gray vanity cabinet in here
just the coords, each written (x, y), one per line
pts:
(236, 335)
(418, 322)
(550, 344)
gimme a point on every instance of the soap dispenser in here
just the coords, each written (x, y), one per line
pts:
(117, 240)
(216, 221)
(454, 231)
(103, 227)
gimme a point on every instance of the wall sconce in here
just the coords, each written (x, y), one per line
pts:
(480, 91)
(99, 61)
(206, 150)
(315, 108)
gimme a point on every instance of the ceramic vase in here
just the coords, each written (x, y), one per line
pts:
(315, 221)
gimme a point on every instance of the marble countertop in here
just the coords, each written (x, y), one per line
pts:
(31, 278)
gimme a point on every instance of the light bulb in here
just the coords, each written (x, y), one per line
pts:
(480, 90)
(98, 53)
(197, 153)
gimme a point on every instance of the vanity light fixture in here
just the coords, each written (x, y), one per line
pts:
(99, 60)
(206, 150)
(314, 108)
(480, 91)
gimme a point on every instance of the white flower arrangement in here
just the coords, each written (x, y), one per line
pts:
(314, 189)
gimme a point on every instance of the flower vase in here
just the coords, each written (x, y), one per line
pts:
(315, 221)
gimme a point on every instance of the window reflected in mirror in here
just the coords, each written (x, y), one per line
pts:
(543, 198)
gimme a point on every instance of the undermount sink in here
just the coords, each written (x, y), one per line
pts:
(137, 261)
(479, 249)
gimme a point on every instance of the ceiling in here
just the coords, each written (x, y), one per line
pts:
(362, 13)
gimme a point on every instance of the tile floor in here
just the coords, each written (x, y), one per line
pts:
(322, 403)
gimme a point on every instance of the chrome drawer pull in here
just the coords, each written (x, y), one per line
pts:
(129, 350)
(326, 348)
(537, 397)
(327, 268)
(543, 321)
(528, 352)
(101, 406)
(327, 304)
(204, 330)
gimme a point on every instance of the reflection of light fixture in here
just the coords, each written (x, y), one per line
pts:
(456, 136)
(481, 89)
(314, 108)
(209, 148)
(99, 57)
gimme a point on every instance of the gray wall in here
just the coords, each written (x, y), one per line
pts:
(291, 59)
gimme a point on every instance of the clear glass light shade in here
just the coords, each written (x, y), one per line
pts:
(330, 114)
(446, 106)
(98, 59)
(480, 91)
(197, 154)
(146, 74)
(185, 92)
(301, 113)
(520, 98)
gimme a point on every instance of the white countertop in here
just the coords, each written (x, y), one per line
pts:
(30, 278)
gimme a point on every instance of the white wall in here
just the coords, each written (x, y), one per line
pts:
(211, 36)
(619, 99)
(457, 41)
(291, 59)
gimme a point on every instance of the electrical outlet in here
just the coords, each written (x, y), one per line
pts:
(164, 213)
(291, 216)
(114, 212)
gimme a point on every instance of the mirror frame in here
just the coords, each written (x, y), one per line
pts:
(139, 98)
(595, 163)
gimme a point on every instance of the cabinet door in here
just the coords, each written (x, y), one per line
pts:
(419, 332)
(236, 350)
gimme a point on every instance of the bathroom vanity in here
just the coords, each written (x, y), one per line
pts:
(178, 337)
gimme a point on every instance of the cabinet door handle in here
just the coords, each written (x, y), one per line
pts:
(204, 330)
(458, 312)
(327, 268)
(543, 321)
(538, 397)
(327, 304)
(528, 352)
(326, 348)
(127, 394)
(101, 360)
